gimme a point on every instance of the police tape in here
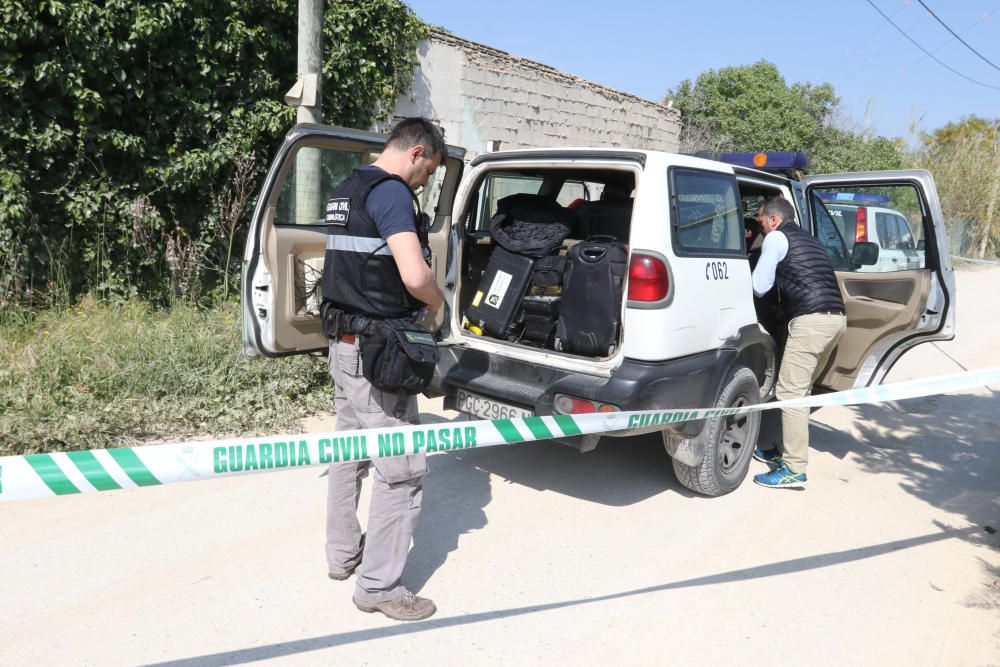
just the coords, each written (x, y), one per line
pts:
(66, 473)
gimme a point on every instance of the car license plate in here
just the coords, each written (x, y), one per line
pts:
(487, 408)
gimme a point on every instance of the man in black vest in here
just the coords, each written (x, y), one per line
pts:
(375, 269)
(810, 296)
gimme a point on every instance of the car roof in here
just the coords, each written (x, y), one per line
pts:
(641, 155)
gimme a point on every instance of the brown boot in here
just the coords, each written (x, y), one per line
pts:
(406, 607)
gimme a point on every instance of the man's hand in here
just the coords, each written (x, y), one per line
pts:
(431, 319)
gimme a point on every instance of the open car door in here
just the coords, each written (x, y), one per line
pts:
(900, 301)
(286, 243)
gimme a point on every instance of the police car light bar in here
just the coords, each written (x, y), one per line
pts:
(768, 161)
(857, 198)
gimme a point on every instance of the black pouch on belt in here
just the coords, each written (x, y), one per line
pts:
(331, 319)
(398, 357)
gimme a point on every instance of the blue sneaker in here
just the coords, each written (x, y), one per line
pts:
(771, 457)
(781, 478)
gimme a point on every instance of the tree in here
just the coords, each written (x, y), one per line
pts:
(843, 151)
(124, 122)
(752, 108)
(965, 160)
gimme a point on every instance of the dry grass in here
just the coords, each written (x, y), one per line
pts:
(102, 375)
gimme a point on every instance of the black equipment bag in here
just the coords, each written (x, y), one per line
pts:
(503, 284)
(548, 271)
(397, 356)
(538, 317)
(589, 316)
(531, 225)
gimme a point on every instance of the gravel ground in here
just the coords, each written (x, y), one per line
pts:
(536, 554)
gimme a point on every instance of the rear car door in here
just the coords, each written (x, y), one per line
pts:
(286, 242)
(891, 306)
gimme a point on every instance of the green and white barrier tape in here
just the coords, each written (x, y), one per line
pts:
(64, 473)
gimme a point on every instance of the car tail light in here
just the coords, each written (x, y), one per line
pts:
(571, 405)
(861, 225)
(647, 278)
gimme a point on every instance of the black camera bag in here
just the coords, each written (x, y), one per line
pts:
(397, 356)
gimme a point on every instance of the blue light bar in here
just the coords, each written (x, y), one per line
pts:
(768, 161)
(853, 198)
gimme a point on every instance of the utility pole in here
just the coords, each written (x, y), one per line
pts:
(306, 96)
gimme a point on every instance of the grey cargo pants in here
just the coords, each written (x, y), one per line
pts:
(396, 495)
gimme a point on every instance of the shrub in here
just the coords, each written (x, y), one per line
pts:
(104, 375)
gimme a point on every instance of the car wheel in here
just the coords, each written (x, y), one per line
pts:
(728, 442)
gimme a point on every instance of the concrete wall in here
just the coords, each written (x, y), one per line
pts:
(481, 95)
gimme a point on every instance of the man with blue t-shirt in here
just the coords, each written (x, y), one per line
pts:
(797, 264)
(375, 268)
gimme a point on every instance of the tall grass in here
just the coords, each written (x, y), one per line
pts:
(104, 374)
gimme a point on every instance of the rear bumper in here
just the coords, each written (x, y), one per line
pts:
(689, 382)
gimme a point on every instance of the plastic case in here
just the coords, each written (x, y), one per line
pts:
(498, 298)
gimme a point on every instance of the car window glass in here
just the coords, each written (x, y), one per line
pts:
(570, 192)
(891, 216)
(905, 235)
(829, 234)
(707, 216)
(888, 237)
(497, 186)
(315, 172)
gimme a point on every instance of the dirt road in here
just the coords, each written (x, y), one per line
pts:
(536, 554)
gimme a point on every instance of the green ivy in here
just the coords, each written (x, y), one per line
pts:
(122, 123)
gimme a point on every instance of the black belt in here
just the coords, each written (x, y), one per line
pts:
(337, 322)
(352, 324)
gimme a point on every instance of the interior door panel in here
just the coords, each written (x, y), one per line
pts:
(877, 305)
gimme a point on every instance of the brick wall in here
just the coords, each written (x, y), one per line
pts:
(479, 94)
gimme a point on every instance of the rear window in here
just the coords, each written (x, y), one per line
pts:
(707, 218)
(497, 186)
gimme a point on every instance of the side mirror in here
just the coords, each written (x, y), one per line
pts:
(865, 253)
(921, 244)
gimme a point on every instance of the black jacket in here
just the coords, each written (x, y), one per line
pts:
(805, 277)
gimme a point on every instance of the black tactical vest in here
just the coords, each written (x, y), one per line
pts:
(359, 273)
(805, 276)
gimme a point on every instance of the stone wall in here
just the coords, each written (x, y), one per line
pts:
(485, 98)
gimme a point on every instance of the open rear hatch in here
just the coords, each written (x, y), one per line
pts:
(542, 262)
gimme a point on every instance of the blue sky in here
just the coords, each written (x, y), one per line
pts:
(886, 84)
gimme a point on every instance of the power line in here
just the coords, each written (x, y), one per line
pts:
(931, 55)
(985, 59)
(873, 58)
(851, 53)
(924, 57)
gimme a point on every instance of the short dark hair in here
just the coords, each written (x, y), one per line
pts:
(410, 132)
(779, 206)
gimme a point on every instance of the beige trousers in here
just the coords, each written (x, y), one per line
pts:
(811, 339)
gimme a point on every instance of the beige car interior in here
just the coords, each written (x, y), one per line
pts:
(878, 305)
(294, 254)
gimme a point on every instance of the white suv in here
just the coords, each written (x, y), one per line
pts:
(863, 217)
(687, 329)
